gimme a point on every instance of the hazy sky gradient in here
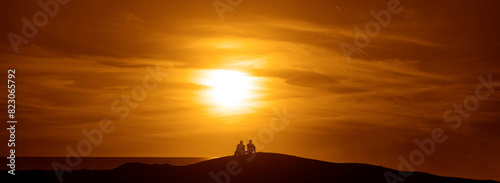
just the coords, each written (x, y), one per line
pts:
(368, 111)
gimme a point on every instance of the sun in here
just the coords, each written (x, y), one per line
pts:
(229, 89)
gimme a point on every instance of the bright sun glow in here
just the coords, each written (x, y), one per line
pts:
(229, 89)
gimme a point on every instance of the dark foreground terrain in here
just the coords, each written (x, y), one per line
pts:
(260, 168)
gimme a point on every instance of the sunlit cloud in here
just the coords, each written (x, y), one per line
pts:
(269, 54)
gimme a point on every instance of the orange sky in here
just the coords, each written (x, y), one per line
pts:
(368, 110)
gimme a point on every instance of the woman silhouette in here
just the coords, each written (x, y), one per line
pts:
(240, 149)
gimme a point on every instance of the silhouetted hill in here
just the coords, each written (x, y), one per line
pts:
(263, 168)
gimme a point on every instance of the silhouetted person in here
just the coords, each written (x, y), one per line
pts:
(240, 149)
(250, 147)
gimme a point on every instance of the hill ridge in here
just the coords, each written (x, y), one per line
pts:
(262, 167)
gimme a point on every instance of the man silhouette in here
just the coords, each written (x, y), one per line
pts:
(240, 149)
(250, 147)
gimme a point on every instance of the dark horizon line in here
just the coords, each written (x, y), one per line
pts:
(109, 157)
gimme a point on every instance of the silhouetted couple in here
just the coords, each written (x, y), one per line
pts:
(240, 148)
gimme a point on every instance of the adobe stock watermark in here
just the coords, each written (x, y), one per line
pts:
(222, 7)
(455, 115)
(95, 136)
(264, 136)
(29, 30)
(362, 38)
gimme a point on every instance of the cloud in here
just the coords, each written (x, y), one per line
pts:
(93, 52)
